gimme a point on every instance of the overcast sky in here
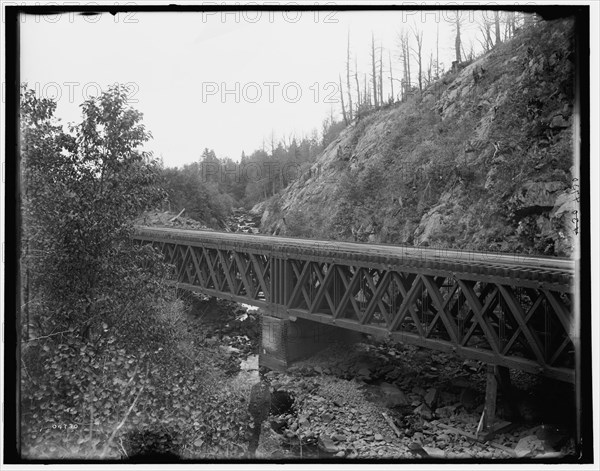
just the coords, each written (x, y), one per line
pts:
(226, 81)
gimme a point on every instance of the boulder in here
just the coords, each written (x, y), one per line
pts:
(393, 395)
(431, 224)
(327, 445)
(424, 412)
(558, 122)
(434, 452)
(529, 446)
(431, 397)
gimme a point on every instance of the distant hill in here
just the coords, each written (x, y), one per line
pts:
(482, 160)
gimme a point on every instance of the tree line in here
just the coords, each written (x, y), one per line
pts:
(212, 186)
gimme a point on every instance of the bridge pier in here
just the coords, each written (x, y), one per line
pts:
(285, 340)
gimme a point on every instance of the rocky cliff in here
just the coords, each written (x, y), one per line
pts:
(482, 159)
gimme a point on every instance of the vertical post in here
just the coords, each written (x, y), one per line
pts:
(288, 282)
(491, 395)
(273, 277)
(488, 424)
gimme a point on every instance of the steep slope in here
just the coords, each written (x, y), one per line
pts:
(482, 160)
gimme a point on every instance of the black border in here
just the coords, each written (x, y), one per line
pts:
(13, 219)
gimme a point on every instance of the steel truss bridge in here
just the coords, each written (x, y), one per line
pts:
(511, 311)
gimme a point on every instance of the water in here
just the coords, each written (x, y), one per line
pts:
(249, 307)
(248, 374)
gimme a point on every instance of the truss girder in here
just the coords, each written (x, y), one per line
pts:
(500, 321)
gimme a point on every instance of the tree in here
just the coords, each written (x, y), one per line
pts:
(357, 83)
(485, 27)
(374, 67)
(497, 26)
(84, 191)
(348, 79)
(457, 42)
(381, 75)
(392, 99)
(342, 101)
(430, 69)
(437, 51)
(404, 42)
(509, 26)
(42, 143)
(418, 51)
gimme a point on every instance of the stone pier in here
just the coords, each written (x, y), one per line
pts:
(286, 340)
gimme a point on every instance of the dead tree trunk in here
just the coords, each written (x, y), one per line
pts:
(457, 44)
(381, 75)
(391, 78)
(342, 102)
(374, 70)
(357, 83)
(348, 79)
(419, 38)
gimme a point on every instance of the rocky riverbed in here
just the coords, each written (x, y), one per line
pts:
(382, 400)
(400, 402)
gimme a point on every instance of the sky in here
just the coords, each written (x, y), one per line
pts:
(228, 81)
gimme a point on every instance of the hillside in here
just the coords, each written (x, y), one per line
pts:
(483, 160)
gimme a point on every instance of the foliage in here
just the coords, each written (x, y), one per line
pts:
(210, 188)
(190, 189)
(106, 352)
(82, 192)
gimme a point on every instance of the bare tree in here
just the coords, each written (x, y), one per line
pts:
(357, 83)
(485, 28)
(511, 27)
(373, 58)
(437, 51)
(497, 26)
(348, 79)
(391, 78)
(342, 101)
(404, 41)
(418, 52)
(430, 69)
(381, 74)
(457, 43)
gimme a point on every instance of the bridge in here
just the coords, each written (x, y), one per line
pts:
(508, 311)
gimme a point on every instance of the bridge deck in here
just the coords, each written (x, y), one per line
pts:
(505, 309)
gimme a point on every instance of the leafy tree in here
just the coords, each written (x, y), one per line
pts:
(83, 191)
(106, 339)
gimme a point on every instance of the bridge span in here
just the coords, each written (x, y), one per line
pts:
(510, 311)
